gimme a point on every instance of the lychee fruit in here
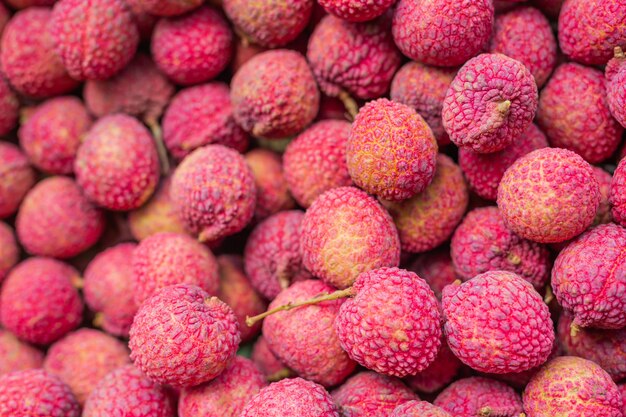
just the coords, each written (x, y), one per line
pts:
(17, 355)
(603, 215)
(272, 190)
(165, 7)
(615, 87)
(617, 196)
(356, 10)
(478, 397)
(9, 107)
(435, 268)
(9, 250)
(419, 409)
(22, 4)
(16, 178)
(438, 375)
(267, 362)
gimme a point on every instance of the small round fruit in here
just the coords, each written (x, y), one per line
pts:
(478, 396)
(16, 178)
(9, 250)
(17, 355)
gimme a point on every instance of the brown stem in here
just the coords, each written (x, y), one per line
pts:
(77, 282)
(618, 53)
(573, 330)
(485, 411)
(98, 320)
(160, 146)
(351, 107)
(549, 295)
(277, 376)
(504, 106)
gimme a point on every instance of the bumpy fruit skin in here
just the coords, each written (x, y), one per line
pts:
(477, 396)
(9, 250)
(56, 219)
(95, 39)
(50, 136)
(368, 394)
(497, 323)
(272, 191)
(423, 88)
(127, 392)
(165, 7)
(192, 48)
(274, 94)
(167, 259)
(525, 34)
(419, 409)
(36, 393)
(391, 152)
(442, 32)
(574, 114)
(484, 171)
(38, 302)
(214, 192)
(9, 107)
(435, 268)
(117, 164)
(201, 115)
(346, 232)
(267, 362)
(16, 178)
(27, 57)
(617, 197)
(315, 161)
(82, 358)
(622, 390)
(428, 219)
(17, 355)
(490, 103)
(616, 88)
(183, 337)
(354, 58)
(603, 215)
(569, 386)
(549, 195)
(356, 10)
(108, 290)
(587, 278)
(438, 375)
(226, 395)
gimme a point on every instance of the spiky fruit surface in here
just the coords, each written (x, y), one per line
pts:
(354, 58)
(183, 337)
(551, 391)
(477, 396)
(126, 391)
(226, 395)
(574, 114)
(419, 409)
(274, 94)
(442, 32)
(17, 355)
(267, 362)
(27, 57)
(490, 103)
(438, 375)
(616, 87)
(38, 302)
(36, 393)
(391, 152)
(549, 195)
(587, 278)
(56, 219)
(356, 10)
(16, 178)
(9, 250)
(108, 37)
(108, 289)
(497, 323)
(428, 219)
(9, 106)
(117, 164)
(165, 7)
(272, 191)
(192, 48)
(201, 115)
(346, 232)
(436, 269)
(368, 394)
(617, 196)
(214, 192)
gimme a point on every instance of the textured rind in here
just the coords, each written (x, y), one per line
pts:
(423, 88)
(214, 192)
(622, 390)
(165, 259)
(497, 323)
(574, 114)
(368, 394)
(291, 398)
(274, 94)
(127, 392)
(50, 136)
(525, 34)
(183, 337)
(201, 115)
(391, 152)
(315, 161)
(38, 302)
(549, 195)
(589, 29)
(117, 165)
(56, 219)
(95, 39)
(82, 358)
(165, 7)
(272, 190)
(356, 10)
(484, 171)
(192, 48)
(354, 58)
(588, 278)
(27, 57)
(9, 250)
(266, 361)
(419, 409)
(305, 339)
(478, 396)
(617, 197)
(472, 110)
(570, 387)
(17, 355)
(438, 375)
(346, 232)
(428, 219)
(16, 178)
(9, 106)
(272, 257)
(603, 215)
(393, 324)
(442, 32)
(616, 95)
(107, 286)
(483, 242)
(36, 393)
(226, 395)
(435, 268)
